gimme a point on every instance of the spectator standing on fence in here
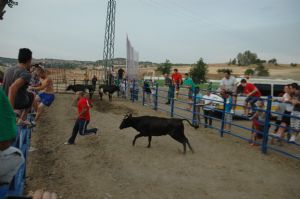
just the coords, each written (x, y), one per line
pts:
(35, 79)
(284, 109)
(258, 122)
(1, 78)
(190, 85)
(11, 158)
(295, 119)
(177, 81)
(252, 95)
(111, 75)
(94, 82)
(229, 84)
(168, 83)
(86, 79)
(286, 117)
(228, 107)
(120, 74)
(147, 90)
(208, 108)
(83, 119)
(16, 82)
(123, 88)
(46, 92)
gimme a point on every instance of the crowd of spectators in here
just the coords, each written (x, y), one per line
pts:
(26, 89)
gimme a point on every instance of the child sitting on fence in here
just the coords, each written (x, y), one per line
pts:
(228, 109)
(258, 123)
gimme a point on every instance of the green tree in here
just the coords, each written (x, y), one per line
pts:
(261, 70)
(246, 58)
(223, 70)
(249, 71)
(198, 72)
(233, 61)
(273, 61)
(293, 64)
(165, 68)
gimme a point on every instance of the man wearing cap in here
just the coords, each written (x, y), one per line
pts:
(11, 158)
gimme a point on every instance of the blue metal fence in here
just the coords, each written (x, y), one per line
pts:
(22, 142)
(240, 126)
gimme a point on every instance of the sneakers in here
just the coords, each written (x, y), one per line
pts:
(68, 143)
(293, 138)
(275, 135)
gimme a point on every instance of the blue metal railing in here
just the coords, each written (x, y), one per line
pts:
(22, 142)
(175, 109)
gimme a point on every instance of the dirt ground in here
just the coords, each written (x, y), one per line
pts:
(108, 166)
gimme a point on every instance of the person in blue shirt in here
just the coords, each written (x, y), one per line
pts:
(228, 107)
(199, 103)
(189, 83)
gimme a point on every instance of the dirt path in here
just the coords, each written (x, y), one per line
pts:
(107, 166)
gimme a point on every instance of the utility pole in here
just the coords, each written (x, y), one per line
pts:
(109, 39)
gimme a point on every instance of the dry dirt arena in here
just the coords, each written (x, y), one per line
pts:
(108, 166)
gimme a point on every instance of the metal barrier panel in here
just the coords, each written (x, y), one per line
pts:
(22, 142)
(242, 125)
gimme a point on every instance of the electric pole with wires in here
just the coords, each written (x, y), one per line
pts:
(109, 41)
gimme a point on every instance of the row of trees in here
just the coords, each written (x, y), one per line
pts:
(247, 58)
(198, 71)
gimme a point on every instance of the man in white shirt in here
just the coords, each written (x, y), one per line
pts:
(228, 83)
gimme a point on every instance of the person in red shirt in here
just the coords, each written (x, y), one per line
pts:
(252, 94)
(177, 81)
(83, 119)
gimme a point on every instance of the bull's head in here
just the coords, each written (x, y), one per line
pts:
(126, 121)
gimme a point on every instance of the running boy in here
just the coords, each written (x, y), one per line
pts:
(83, 119)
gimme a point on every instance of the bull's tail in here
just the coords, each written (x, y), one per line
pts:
(195, 126)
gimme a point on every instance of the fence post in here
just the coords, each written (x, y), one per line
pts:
(132, 93)
(223, 118)
(156, 97)
(172, 100)
(143, 93)
(56, 85)
(194, 107)
(74, 81)
(264, 145)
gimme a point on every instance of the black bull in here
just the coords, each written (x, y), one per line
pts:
(80, 87)
(149, 126)
(107, 89)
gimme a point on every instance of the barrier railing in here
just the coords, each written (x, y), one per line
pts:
(240, 127)
(16, 187)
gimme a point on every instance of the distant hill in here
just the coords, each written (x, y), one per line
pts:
(60, 63)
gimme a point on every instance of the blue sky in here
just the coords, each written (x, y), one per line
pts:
(179, 30)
